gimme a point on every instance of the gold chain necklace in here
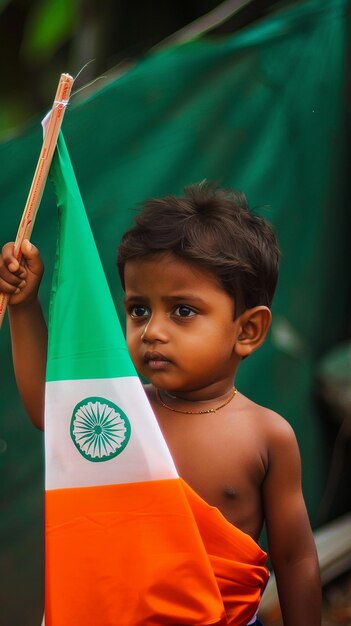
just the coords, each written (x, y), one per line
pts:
(159, 399)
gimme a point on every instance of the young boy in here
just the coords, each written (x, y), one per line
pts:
(199, 274)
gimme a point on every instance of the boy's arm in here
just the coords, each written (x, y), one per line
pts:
(291, 545)
(27, 325)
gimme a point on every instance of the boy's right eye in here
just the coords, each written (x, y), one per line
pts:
(138, 310)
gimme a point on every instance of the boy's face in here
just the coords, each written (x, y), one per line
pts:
(181, 331)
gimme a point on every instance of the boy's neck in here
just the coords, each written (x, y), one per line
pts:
(185, 402)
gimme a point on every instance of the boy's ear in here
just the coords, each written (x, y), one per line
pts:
(253, 327)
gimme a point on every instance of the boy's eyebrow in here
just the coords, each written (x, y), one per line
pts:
(187, 297)
(134, 298)
(173, 298)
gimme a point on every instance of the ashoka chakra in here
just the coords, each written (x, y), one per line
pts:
(99, 429)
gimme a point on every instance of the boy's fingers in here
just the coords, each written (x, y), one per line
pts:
(15, 274)
(20, 279)
(12, 285)
(8, 258)
(31, 256)
(7, 276)
(14, 266)
(28, 249)
(12, 279)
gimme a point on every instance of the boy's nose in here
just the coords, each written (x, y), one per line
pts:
(153, 331)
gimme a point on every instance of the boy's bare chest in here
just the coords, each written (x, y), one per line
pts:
(222, 463)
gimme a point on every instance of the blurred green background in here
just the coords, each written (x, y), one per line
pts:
(41, 38)
(260, 103)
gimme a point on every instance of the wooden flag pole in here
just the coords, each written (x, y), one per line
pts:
(41, 172)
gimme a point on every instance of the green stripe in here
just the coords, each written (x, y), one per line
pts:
(85, 336)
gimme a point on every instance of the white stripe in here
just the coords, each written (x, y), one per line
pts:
(145, 457)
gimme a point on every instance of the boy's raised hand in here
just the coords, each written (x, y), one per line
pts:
(20, 280)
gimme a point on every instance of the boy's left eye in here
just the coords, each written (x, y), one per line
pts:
(139, 310)
(184, 311)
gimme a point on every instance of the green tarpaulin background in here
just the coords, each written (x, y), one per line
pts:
(264, 111)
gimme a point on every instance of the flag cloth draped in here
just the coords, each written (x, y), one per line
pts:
(128, 543)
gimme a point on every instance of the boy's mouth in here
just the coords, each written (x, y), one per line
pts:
(156, 360)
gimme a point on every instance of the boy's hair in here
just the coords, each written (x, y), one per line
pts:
(212, 229)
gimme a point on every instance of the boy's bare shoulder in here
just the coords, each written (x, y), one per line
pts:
(270, 435)
(265, 419)
(259, 419)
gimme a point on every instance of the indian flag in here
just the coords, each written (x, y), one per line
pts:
(128, 543)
